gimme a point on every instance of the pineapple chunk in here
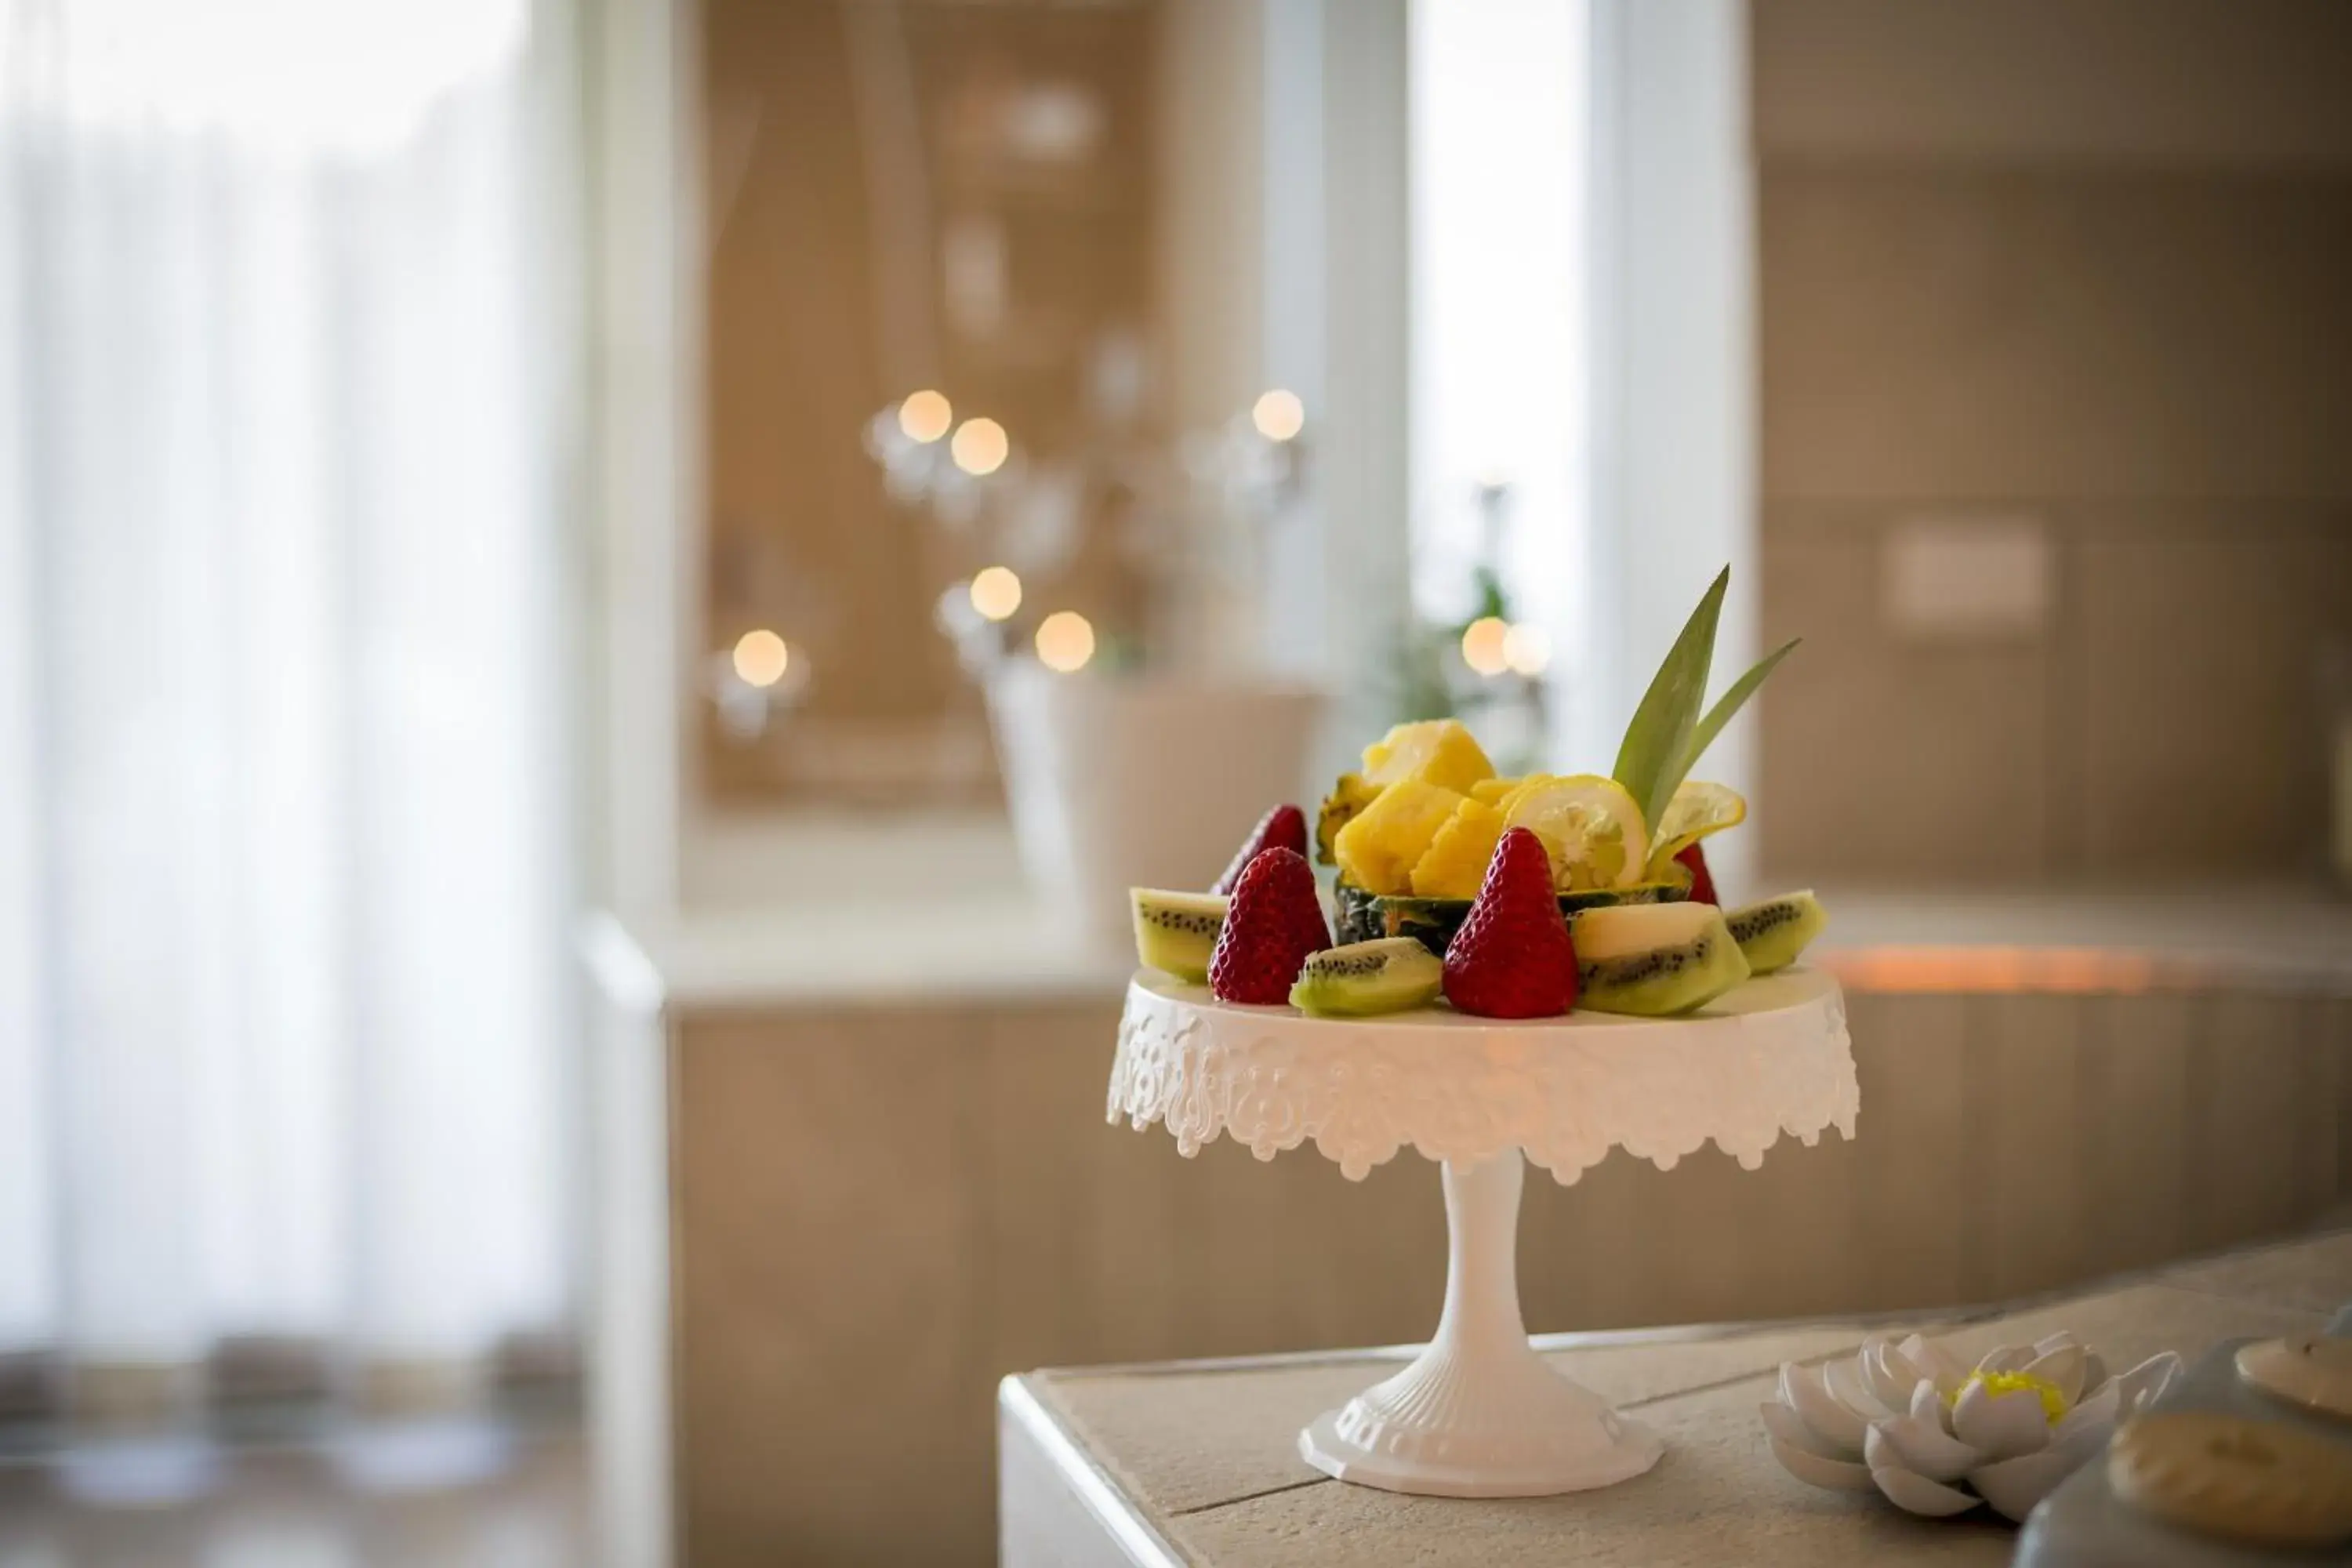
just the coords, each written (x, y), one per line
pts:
(1490, 792)
(1348, 797)
(1435, 751)
(1455, 866)
(1378, 849)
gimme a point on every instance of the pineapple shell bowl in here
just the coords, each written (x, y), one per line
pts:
(1478, 1414)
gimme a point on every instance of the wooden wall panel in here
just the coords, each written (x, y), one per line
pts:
(1912, 1057)
(831, 1317)
(880, 1213)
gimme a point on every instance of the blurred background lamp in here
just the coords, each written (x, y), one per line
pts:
(996, 592)
(1278, 415)
(1483, 644)
(761, 658)
(1527, 650)
(924, 415)
(979, 447)
(1066, 641)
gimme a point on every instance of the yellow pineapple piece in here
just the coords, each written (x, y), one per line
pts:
(1378, 849)
(1348, 797)
(1489, 792)
(1434, 751)
(1454, 864)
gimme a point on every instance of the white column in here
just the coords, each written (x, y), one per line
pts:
(1209, 162)
(1294, 328)
(1362, 470)
(1674, 361)
(643, 129)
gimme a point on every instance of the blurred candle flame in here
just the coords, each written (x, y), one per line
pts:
(761, 658)
(996, 592)
(1483, 644)
(924, 415)
(979, 447)
(1066, 641)
(1278, 415)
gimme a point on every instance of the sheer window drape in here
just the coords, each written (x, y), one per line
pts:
(281, 827)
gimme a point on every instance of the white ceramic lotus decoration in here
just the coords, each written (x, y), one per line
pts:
(1938, 1436)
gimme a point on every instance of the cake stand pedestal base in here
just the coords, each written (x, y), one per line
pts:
(1479, 1413)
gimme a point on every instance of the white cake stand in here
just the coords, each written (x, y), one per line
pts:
(1478, 1413)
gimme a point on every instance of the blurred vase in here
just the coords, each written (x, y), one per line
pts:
(1116, 783)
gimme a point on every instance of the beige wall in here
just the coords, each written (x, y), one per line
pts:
(2086, 262)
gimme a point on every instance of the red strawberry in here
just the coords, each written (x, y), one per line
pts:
(1284, 828)
(1272, 926)
(1512, 958)
(1702, 885)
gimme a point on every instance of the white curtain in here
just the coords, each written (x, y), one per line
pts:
(281, 834)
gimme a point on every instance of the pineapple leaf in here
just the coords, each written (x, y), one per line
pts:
(1660, 729)
(1725, 708)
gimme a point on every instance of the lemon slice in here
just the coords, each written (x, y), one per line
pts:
(1590, 825)
(1697, 810)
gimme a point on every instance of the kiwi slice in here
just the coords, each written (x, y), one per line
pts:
(1177, 932)
(1434, 921)
(1773, 933)
(1367, 977)
(1654, 960)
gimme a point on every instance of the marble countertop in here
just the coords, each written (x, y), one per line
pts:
(1196, 1463)
(956, 946)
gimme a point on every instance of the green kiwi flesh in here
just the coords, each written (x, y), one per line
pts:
(1177, 932)
(1434, 921)
(1654, 960)
(1365, 978)
(1773, 934)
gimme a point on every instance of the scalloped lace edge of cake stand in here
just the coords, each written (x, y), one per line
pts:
(1360, 1100)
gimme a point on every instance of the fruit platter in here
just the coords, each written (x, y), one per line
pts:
(1495, 972)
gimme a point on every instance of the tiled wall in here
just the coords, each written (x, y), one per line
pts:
(2086, 262)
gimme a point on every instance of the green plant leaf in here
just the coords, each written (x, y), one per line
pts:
(1725, 708)
(1661, 728)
